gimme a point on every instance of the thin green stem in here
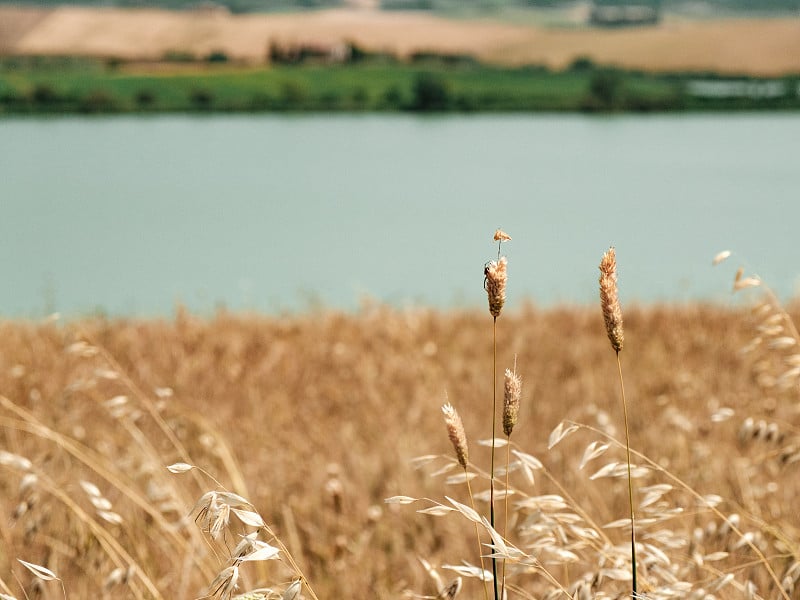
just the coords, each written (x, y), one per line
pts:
(494, 426)
(630, 480)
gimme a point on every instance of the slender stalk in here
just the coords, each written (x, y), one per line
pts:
(290, 559)
(494, 427)
(478, 537)
(512, 392)
(494, 282)
(505, 515)
(630, 481)
(702, 501)
(612, 315)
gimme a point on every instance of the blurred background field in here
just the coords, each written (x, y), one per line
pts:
(324, 413)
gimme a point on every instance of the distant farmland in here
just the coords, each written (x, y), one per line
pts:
(764, 47)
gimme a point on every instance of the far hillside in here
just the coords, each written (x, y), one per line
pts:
(698, 7)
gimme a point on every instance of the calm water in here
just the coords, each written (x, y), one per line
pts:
(132, 215)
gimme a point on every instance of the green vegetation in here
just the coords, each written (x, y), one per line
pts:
(426, 83)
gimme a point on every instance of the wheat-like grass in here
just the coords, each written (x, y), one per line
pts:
(456, 433)
(458, 437)
(609, 300)
(612, 315)
(495, 280)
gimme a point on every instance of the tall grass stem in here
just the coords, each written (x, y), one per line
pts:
(478, 537)
(630, 480)
(494, 428)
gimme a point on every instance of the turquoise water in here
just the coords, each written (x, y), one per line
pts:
(132, 215)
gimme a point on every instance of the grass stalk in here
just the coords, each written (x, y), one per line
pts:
(512, 393)
(494, 429)
(505, 513)
(495, 278)
(477, 537)
(630, 479)
(612, 315)
(702, 501)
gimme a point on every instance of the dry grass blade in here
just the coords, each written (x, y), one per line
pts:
(39, 571)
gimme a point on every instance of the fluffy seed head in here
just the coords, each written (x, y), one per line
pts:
(495, 284)
(513, 391)
(609, 299)
(455, 430)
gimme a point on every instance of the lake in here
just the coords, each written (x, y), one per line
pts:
(132, 215)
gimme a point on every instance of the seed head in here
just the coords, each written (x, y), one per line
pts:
(451, 590)
(293, 591)
(513, 391)
(495, 284)
(609, 299)
(455, 430)
(225, 583)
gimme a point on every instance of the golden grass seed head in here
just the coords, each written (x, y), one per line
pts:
(455, 430)
(496, 276)
(609, 299)
(511, 398)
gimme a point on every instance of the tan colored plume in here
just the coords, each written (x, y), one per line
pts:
(455, 430)
(609, 299)
(513, 391)
(496, 276)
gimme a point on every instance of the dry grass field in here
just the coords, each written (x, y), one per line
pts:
(755, 46)
(316, 419)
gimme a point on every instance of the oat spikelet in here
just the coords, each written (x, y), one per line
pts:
(455, 430)
(609, 299)
(513, 391)
(450, 591)
(495, 284)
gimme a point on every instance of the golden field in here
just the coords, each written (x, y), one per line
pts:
(754, 46)
(316, 420)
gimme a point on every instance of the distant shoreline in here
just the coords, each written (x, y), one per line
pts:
(370, 83)
(75, 60)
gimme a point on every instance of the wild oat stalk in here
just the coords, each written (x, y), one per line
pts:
(612, 315)
(458, 437)
(495, 278)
